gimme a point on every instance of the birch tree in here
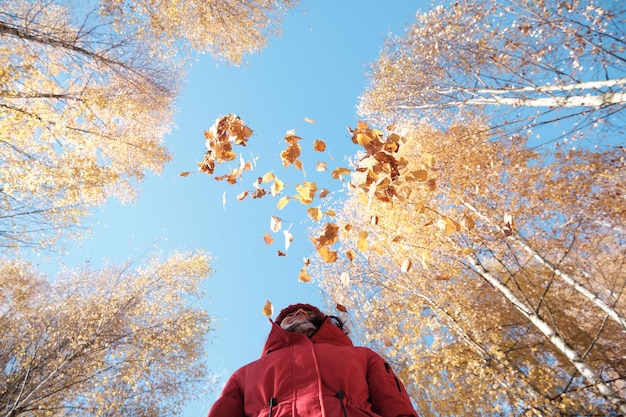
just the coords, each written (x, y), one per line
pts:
(110, 342)
(528, 63)
(456, 246)
(86, 98)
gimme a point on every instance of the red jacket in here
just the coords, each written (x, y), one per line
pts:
(321, 376)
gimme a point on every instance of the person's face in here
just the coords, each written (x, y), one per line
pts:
(297, 316)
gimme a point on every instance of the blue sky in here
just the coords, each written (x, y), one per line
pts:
(315, 70)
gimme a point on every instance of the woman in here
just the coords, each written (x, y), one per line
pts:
(310, 368)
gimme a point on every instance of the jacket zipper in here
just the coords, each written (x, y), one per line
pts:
(271, 403)
(342, 395)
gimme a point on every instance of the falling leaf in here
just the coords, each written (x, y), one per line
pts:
(338, 172)
(319, 145)
(275, 224)
(329, 236)
(268, 239)
(276, 187)
(323, 192)
(330, 213)
(321, 167)
(306, 261)
(314, 213)
(342, 308)
(268, 308)
(406, 266)
(303, 275)
(329, 256)
(350, 254)
(281, 253)
(387, 341)
(306, 192)
(374, 220)
(467, 251)
(306, 119)
(442, 277)
(288, 239)
(283, 202)
(242, 196)
(267, 177)
(184, 173)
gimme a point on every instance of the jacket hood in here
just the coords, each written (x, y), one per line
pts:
(327, 333)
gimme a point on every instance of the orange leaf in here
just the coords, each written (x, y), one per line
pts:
(281, 253)
(442, 277)
(268, 239)
(342, 308)
(304, 276)
(330, 213)
(268, 308)
(184, 173)
(323, 192)
(327, 255)
(242, 196)
(452, 226)
(387, 341)
(319, 145)
(468, 222)
(350, 254)
(338, 172)
(330, 235)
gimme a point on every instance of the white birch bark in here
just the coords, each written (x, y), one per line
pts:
(561, 344)
(595, 299)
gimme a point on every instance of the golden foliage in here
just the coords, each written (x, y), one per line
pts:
(113, 341)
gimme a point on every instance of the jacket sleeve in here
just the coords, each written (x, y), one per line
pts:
(230, 401)
(387, 393)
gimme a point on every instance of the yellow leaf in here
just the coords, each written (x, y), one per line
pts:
(304, 276)
(419, 175)
(268, 308)
(276, 187)
(283, 202)
(428, 160)
(306, 192)
(330, 213)
(306, 119)
(267, 177)
(467, 251)
(314, 213)
(361, 243)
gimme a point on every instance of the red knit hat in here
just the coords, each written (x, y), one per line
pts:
(295, 307)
